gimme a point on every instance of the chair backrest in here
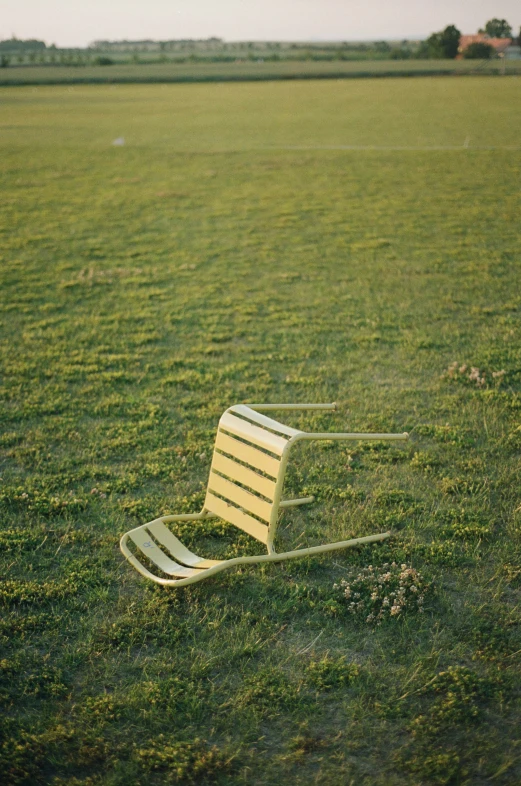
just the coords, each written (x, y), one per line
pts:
(247, 472)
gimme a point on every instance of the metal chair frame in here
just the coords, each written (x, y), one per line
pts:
(240, 494)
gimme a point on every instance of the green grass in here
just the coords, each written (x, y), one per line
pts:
(147, 287)
(243, 70)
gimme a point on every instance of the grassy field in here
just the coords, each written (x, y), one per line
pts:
(243, 70)
(235, 249)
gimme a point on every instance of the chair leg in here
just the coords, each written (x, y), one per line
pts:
(289, 503)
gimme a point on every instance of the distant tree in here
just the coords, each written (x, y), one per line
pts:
(431, 48)
(450, 41)
(497, 28)
(103, 60)
(441, 45)
(479, 50)
(4, 61)
(400, 53)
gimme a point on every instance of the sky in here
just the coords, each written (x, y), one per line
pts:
(76, 23)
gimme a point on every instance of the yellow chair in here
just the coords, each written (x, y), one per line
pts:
(245, 487)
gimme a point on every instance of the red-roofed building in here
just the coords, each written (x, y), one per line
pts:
(499, 44)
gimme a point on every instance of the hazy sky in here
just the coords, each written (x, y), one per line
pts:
(78, 22)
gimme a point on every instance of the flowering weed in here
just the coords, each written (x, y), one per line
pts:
(472, 375)
(376, 594)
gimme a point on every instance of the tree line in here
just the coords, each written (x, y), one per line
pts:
(444, 44)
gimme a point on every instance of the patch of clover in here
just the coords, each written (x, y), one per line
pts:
(471, 374)
(379, 593)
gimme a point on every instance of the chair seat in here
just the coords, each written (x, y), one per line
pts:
(159, 545)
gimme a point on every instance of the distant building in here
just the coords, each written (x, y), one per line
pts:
(499, 44)
(17, 45)
(156, 46)
(513, 52)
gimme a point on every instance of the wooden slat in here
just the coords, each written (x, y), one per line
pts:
(237, 517)
(151, 550)
(240, 496)
(265, 439)
(245, 476)
(263, 420)
(250, 455)
(166, 538)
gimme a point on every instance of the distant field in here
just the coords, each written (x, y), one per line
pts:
(303, 241)
(244, 70)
